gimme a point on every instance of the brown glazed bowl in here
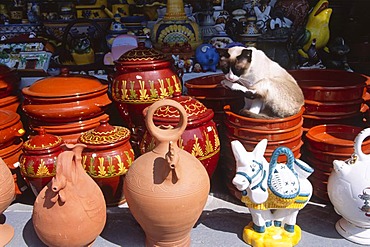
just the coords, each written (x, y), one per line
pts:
(65, 98)
(10, 103)
(11, 127)
(335, 138)
(327, 85)
(9, 80)
(341, 108)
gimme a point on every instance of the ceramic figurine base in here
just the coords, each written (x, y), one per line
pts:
(6, 234)
(273, 236)
(352, 232)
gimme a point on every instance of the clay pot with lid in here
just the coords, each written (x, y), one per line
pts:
(107, 158)
(200, 138)
(9, 80)
(143, 76)
(166, 188)
(11, 127)
(39, 159)
(65, 98)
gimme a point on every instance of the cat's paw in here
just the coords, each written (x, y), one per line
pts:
(227, 84)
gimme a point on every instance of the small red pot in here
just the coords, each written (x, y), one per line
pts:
(11, 127)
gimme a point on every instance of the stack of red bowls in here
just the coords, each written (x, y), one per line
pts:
(331, 96)
(324, 144)
(66, 105)
(9, 82)
(249, 131)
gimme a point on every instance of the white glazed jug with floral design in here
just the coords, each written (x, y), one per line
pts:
(349, 192)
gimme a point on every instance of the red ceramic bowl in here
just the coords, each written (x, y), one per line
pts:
(262, 124)
(333, 108)
(318, 164)
(326, 157)
(355, 119)
(330, 85)
(335, 138)
(10, 103)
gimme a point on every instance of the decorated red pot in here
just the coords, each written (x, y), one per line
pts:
(107, 158)
(143, 76)
(39, 159)
(11, 127)
(9, 80)
(200, 137)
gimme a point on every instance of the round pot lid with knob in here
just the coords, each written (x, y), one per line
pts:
(43, 143)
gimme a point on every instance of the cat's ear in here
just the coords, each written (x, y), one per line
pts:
(246, 54)
(224, 53)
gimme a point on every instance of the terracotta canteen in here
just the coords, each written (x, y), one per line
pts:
(39, 159)
(107, 157)
(166, 188)
(7, 195)
(70, 210)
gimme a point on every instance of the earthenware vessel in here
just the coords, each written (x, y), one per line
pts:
(7, 195)
(39, 158)
(70, 210)
(200, 138)
(107, 157)
(11, 127)
(9, 80)
(10, 103)
(166, 188)
(349, 191)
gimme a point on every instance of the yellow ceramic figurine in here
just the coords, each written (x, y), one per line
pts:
(317, 27)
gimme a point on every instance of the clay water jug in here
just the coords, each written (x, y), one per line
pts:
(7, 195)
(167, 188)
(70, 210)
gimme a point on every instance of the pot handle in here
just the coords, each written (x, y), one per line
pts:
(166, 135)
(358, 144)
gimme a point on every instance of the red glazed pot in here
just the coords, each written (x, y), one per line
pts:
(200, 137)
(39, 158)
(10, 103)
(9, 80)
(107, 158)
(65, 98)
(11, 127)
(331, 109)
(143, 76)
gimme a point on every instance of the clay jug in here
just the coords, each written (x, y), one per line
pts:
(7, 195)
(166, 189)
(70, 210)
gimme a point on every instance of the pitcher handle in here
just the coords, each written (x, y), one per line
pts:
(358, 143)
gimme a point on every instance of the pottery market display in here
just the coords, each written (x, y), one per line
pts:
(331, 96)
(323, 145)
(166, 188)
(9, 83)
(107, 157)
(249, 131)
(349, 192)
(209, 91)
(7, 195)
(70, 210)
(65, 105)
(143, 76)
(39, 159)
(200, 138)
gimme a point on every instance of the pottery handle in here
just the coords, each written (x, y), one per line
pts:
(358, 143)
(165, 135)
(288, 153)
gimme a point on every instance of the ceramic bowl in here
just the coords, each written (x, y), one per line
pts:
(262, 124)
(11, 127)
(9, 80)
(326, 157)
(355, 119)
(342, 108)
(318, 164)
(10, 103)
(330, 85)
(10, 154)
(334, 138)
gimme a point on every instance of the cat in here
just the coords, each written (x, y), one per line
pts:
(270, 91)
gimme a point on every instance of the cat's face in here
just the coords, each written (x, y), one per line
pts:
(237, 59)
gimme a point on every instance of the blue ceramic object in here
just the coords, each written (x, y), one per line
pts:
(207, 56)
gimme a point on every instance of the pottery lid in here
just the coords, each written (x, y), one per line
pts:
(105, 135)
(43, 142)
(6, 73)
(197, 112)
(142, 55)
(8, 119)
(65, 85)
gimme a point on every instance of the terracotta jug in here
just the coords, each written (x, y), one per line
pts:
(70, 210)
(7, 195)
(166, 189)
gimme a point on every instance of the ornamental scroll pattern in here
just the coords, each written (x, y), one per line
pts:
(141, 91)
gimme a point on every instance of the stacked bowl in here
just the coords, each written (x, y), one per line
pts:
(331, 96)
(9, 82)
(324, 144)
(249, 131)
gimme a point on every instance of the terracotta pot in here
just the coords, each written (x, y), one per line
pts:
(70, 210)
(355, 119)
(262, 124)
(11, 127)
(7, 195)
(9, 80)
(39, 158)
(143, 76)
(325, 157)
(330, 85)
(331, 109)
(10, 103)
(200, 137)
(334, 138)
(166, 188)
(65, 98)
(107, 158)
